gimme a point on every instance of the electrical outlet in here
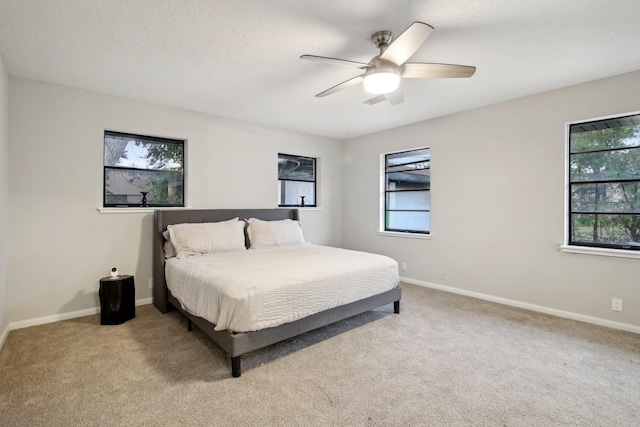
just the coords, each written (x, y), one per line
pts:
(150, 283)
(616, 304)
(443, 275)
(404, 266)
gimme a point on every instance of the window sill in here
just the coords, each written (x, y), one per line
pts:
(131, 210)
(405, 235)
(301, 208)
(585, 250)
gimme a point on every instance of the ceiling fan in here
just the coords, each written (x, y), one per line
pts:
(383, 73)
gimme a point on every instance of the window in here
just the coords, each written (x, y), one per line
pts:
(407, 191)
(296, 180)
(604, 183)
(142, 171)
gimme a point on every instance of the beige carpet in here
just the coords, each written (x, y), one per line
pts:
(445, 360)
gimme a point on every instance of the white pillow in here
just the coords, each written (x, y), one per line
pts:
(274, 233)
(169, 249)
(207, 237)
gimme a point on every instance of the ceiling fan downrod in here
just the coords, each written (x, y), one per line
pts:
(382, 39)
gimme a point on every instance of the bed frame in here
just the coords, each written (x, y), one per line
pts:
(237, 344)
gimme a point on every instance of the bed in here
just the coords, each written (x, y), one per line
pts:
(233, 332)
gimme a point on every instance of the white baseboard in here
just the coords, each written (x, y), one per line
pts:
(144, 301)
(541, 309)
(533, 307)
(4, 335)
(65, 316)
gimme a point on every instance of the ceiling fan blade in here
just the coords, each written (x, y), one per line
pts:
(403, 47)
(375, 100)
(335, 61)
(395, 97)
(351, 82)
(414, 70)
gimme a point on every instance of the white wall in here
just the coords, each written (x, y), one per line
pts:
(61, 246)
(4, 219)
(497, 195)
(498, 203)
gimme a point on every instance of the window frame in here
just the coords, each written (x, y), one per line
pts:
(314, 161)
(146, 138)
(383, 230)
(596, 248)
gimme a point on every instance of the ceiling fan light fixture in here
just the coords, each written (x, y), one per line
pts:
(381, 80)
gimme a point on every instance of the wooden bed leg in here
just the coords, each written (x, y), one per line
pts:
(189, 325)
(396, 307)
(236, 369)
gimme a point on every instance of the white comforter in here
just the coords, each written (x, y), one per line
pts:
(261, 288)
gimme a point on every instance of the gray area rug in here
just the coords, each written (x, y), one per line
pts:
(444, 360)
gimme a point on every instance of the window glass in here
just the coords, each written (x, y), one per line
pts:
(296, 180)
(142, 171)
(604, 183)
(407, 192)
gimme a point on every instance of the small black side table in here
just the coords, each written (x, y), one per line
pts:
(117, 300)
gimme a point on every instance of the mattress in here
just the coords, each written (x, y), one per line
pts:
(250, 290)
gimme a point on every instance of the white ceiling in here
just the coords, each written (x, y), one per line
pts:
(240, 59)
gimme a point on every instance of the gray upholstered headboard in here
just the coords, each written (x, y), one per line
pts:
(165, 217)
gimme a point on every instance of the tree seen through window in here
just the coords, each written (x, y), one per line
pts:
(604, 180)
